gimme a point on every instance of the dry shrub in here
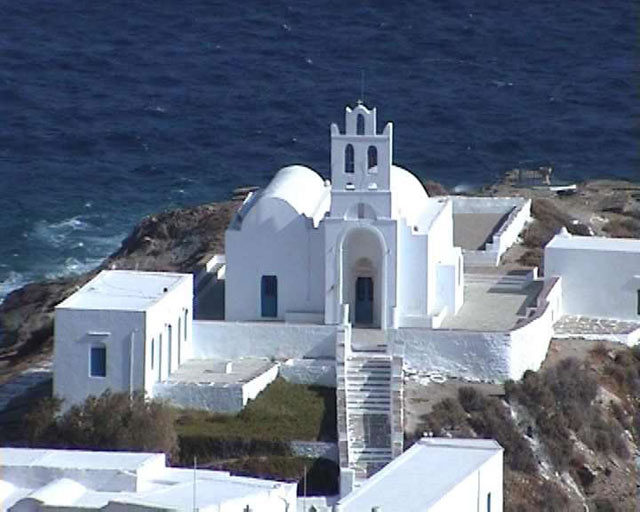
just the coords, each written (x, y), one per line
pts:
(474, 414)
(549, 219)
(623, 228)
(532, 258)
(560, 398)
(112, 421)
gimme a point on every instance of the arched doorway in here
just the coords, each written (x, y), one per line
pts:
(362, 276)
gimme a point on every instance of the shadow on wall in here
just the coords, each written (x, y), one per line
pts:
(209, 302)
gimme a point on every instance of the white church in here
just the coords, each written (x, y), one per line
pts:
(369, 245)
(353, 283)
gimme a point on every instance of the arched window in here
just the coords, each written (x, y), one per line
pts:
(348, 158)
(372, 157)
(360, 125)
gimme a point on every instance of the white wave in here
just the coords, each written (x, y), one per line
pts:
(13, 281)
(73, 266)
(56, 233)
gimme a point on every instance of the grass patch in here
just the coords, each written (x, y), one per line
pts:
(283, 412)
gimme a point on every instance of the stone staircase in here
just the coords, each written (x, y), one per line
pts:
(370, 429)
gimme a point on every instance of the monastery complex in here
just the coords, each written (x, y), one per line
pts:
(353, 282)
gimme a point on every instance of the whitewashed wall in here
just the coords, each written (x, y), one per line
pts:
(170, 349)
(529, 343)
(274, 240)
(230, 340)
(311, 372)
(76, 331)
(214, 397)
(465, 354)
(596, 283)
(470, 495)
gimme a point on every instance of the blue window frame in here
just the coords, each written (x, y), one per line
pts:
(269, 296)
(98, 366)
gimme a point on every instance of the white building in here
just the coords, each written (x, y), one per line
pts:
(123, 331)
(33, 480)
(600, 277)
(434, 475)
(370, 245)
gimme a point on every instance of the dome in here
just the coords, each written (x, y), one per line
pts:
(302, 188)
(408, 195)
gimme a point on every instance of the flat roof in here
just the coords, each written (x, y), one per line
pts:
(594, 243)
(421, 475)
(124, 290)
(221, 371)
(75, 459)
(166, 488)
(472, 231)
(495, 300)
(175, 489)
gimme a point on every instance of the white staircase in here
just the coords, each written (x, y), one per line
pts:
(370, 429)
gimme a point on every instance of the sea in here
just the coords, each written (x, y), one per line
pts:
(110, 111)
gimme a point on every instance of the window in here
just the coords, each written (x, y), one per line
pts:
(489, 502)
(372, 157)
(186, 316)
(360, 126)
(638, 302)
(269, 296)
(348, 159)
(98, 363)
(179, 329)
(153, 352)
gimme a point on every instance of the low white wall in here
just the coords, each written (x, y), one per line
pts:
(230, 340)
(252, 389)
(466, 354)
(315, 450)
(214, 397)
(477, 355)
(530, 342)
(465, 204)
(311, 372)
(508, 233)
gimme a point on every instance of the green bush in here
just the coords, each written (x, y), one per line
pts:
(112, 421)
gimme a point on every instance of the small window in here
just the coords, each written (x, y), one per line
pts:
(186, 316)
(98, 361)
(179, 329)
(349, 166)
(372, 157)
(638, 302)
(360, 127)
(269, 295)
(153, 352)
(489, 502)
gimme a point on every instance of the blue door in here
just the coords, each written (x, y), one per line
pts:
(364, 301)
(269, 296)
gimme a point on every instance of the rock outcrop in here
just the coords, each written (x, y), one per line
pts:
(177, 240)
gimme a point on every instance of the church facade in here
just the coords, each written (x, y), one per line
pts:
(369, 248)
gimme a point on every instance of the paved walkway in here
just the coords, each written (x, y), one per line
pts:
(597, 329)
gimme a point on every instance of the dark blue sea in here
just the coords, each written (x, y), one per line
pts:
(112, 110)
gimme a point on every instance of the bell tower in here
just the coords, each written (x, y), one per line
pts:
(360, 158)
